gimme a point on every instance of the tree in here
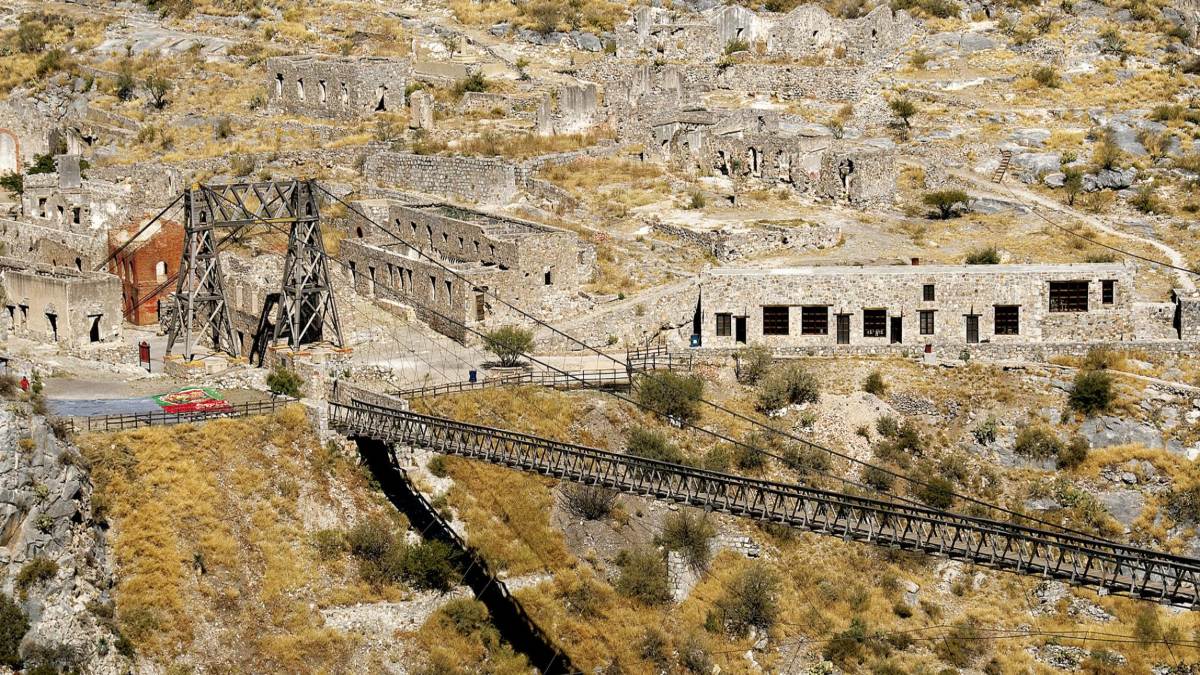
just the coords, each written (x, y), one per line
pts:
(672, 395)
(126, 82)
(509, 344)
(903, 109)
(1092, 392)
(451, 42)
(1072, 183)
(158, 85)
(983, 256)
(31, 34)
(13, 181)
(285, 382)
(751, 601)
(13, 626)
(937, 492)
(945, 201)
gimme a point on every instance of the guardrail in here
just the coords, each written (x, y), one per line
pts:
(581, 379)
(122, 422)
(1097, 563)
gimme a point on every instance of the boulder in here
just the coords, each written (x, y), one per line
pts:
(1110, 179)
(1032, 138)
(1106, 431)
(1055, 180)
(1032, 165)
(1125, 506)
(501, 29)
(588, 42)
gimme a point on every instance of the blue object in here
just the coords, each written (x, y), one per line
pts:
(695, 340)
(472, 376)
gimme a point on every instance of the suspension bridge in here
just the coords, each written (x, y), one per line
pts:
(306, 312)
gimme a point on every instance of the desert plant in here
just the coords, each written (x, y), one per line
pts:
(1046, 76)
(285, 382)
(329, 543)
(937, 492)
(751, 601)
(753, 362)
(1146, 200)
(904, 109)
(1107, 155)
(878, 479)
(509, 344)
(1072, 183)
(1073, 453)
(475, 82)
(788, 385)
(697, 200)
(736, 45)
(643, 576)
(429, 566)
(1092, 392)
(31, 34)
(1037, 442)
(34, 572)
(919, 59)
(126, 81)
(874, 384)
(946, 202)
(845, 647)
(590, 502)
(806, 459)
(690, 534)
(13, 626)
(673, 395)
(650, 444)
(983, 256)
(985, 432)
(158, 86)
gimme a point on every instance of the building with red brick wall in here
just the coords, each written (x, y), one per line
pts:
(145, 266)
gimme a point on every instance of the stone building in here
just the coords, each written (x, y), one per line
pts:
(145, 267)
(940, 305)
(61, 304)
(533, 266)
(336, 88)
(479, 179)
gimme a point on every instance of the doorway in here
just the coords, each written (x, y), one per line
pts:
(843, 329)
(973, 329)
(94, 331)
(897, 330)
(52, 319)
(739, 330)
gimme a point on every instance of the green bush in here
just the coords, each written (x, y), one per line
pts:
(983, 256)
(845, 648)
(985, 433)
(590, 502)
(874, 384)
(1092, 392)
(1046, 76)
(751, 601)
(788, 385)
(887, 426)
(877, 478)
(1037, 442)
(36, 571)
(643, 576)
(806, 459)
(13, 626)
(330, 544)
(13, 182)
(437, 466)
(371, 539)
(963, 645)
(285, 382)
(673, 395)
(946, 202)
(467, 615)
(509, 344)
(901, 445)
(936, 492)
(650, 444)
(689, 534)
(753, 363)
(475, 82)
(1074, 453)
(429, 566)
(736, 45)
(903, 109)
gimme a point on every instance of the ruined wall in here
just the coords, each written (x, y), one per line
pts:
(467, 178)
(38, 243)
(858, 174)
(1188, 314)
(960, 291)
(62, 305)
(345, 88)
(735, 243)
(144, 267)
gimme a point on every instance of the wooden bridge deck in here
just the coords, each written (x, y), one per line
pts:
(1108, 566)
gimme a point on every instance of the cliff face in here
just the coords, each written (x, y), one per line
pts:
(53, 550)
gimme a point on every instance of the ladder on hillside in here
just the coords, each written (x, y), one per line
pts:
(1002, 167)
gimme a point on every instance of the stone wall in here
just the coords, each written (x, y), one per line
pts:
(38, 243)
(55, 304)
(959, 292)
(734, 243)
(858, 174)
(474, 179)
(343, 88)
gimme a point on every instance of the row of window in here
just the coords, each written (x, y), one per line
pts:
(380, 92)
(1065, 296)
(776, 320)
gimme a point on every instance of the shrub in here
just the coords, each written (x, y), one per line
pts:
(285, 382)
(689, 534)
(429, 566)
(437, 466)
(590, 502)
(1072, 183)
(509, 344)
(330, 544)
(34, 572)
(877, 478)
(901, 445)
(1183, 503)
(1046, 76)
(125, 84)
(788, 385)
(919, 59)
(936, 492)
(806, 459)
(753, 362)
(650, 444)
(874, 384)
(475, 82)
(845, 647)
(887, 426)
(1037, 442)
(985, 433)
(466, 615)
(903, 109)
(158, 86)
(751, 601)
(31, 34)
(673, 395)
(371, 539)
(643, 576)
(945, 201)
(9, 385)
(694, 657)
(963, 645)
(697, 200)
(13, 626)
(653, 647)
(1092, 392)
(1146, 200)
(14, 182)
(1107, 155)
(983, 256)
(1074, 453)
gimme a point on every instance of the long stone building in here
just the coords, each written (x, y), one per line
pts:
(938, 305)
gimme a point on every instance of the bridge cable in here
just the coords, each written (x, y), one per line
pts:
(767, 428)
(132, 239)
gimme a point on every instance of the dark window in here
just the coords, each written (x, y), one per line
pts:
(927, 293)
(775, 320)
(1068, 296)
(926, 317)
(1108, 289)
(814, 321)
(1008, 320)
(546, 278)
(724, 325)
(874, 322)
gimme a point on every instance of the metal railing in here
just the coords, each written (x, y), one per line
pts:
(121, 422)
(1114, 567)
(580, 379)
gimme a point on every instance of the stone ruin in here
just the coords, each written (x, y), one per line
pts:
(341, 88)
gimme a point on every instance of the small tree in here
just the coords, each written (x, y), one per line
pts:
(983, 256)
(126, 82)
(672, 395)
(903, 108)
(1072, 183)
(1092, 392)
(751, 601)
(945, 201)
(753, 362)
(158, 86)
(451, 42)
(643, 576)
(285, 382)
(509, 343)
(13, 626)
(874, 384)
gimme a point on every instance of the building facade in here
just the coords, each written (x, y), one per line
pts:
(336, 88)
(921, 305)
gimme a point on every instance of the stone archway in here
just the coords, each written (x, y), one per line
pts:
(10, 152)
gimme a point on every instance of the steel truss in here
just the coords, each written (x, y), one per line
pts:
(306, 312)
(1108, 566)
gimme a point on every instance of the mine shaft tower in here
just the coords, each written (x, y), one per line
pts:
(306, 311)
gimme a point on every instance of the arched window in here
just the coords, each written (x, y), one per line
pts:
(358, 232)
(160, 270)
(278, 85)
(300, 88)
(321, 90)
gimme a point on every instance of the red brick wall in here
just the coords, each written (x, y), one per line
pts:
(141, 273)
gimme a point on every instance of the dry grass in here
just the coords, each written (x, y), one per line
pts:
(215, 564)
